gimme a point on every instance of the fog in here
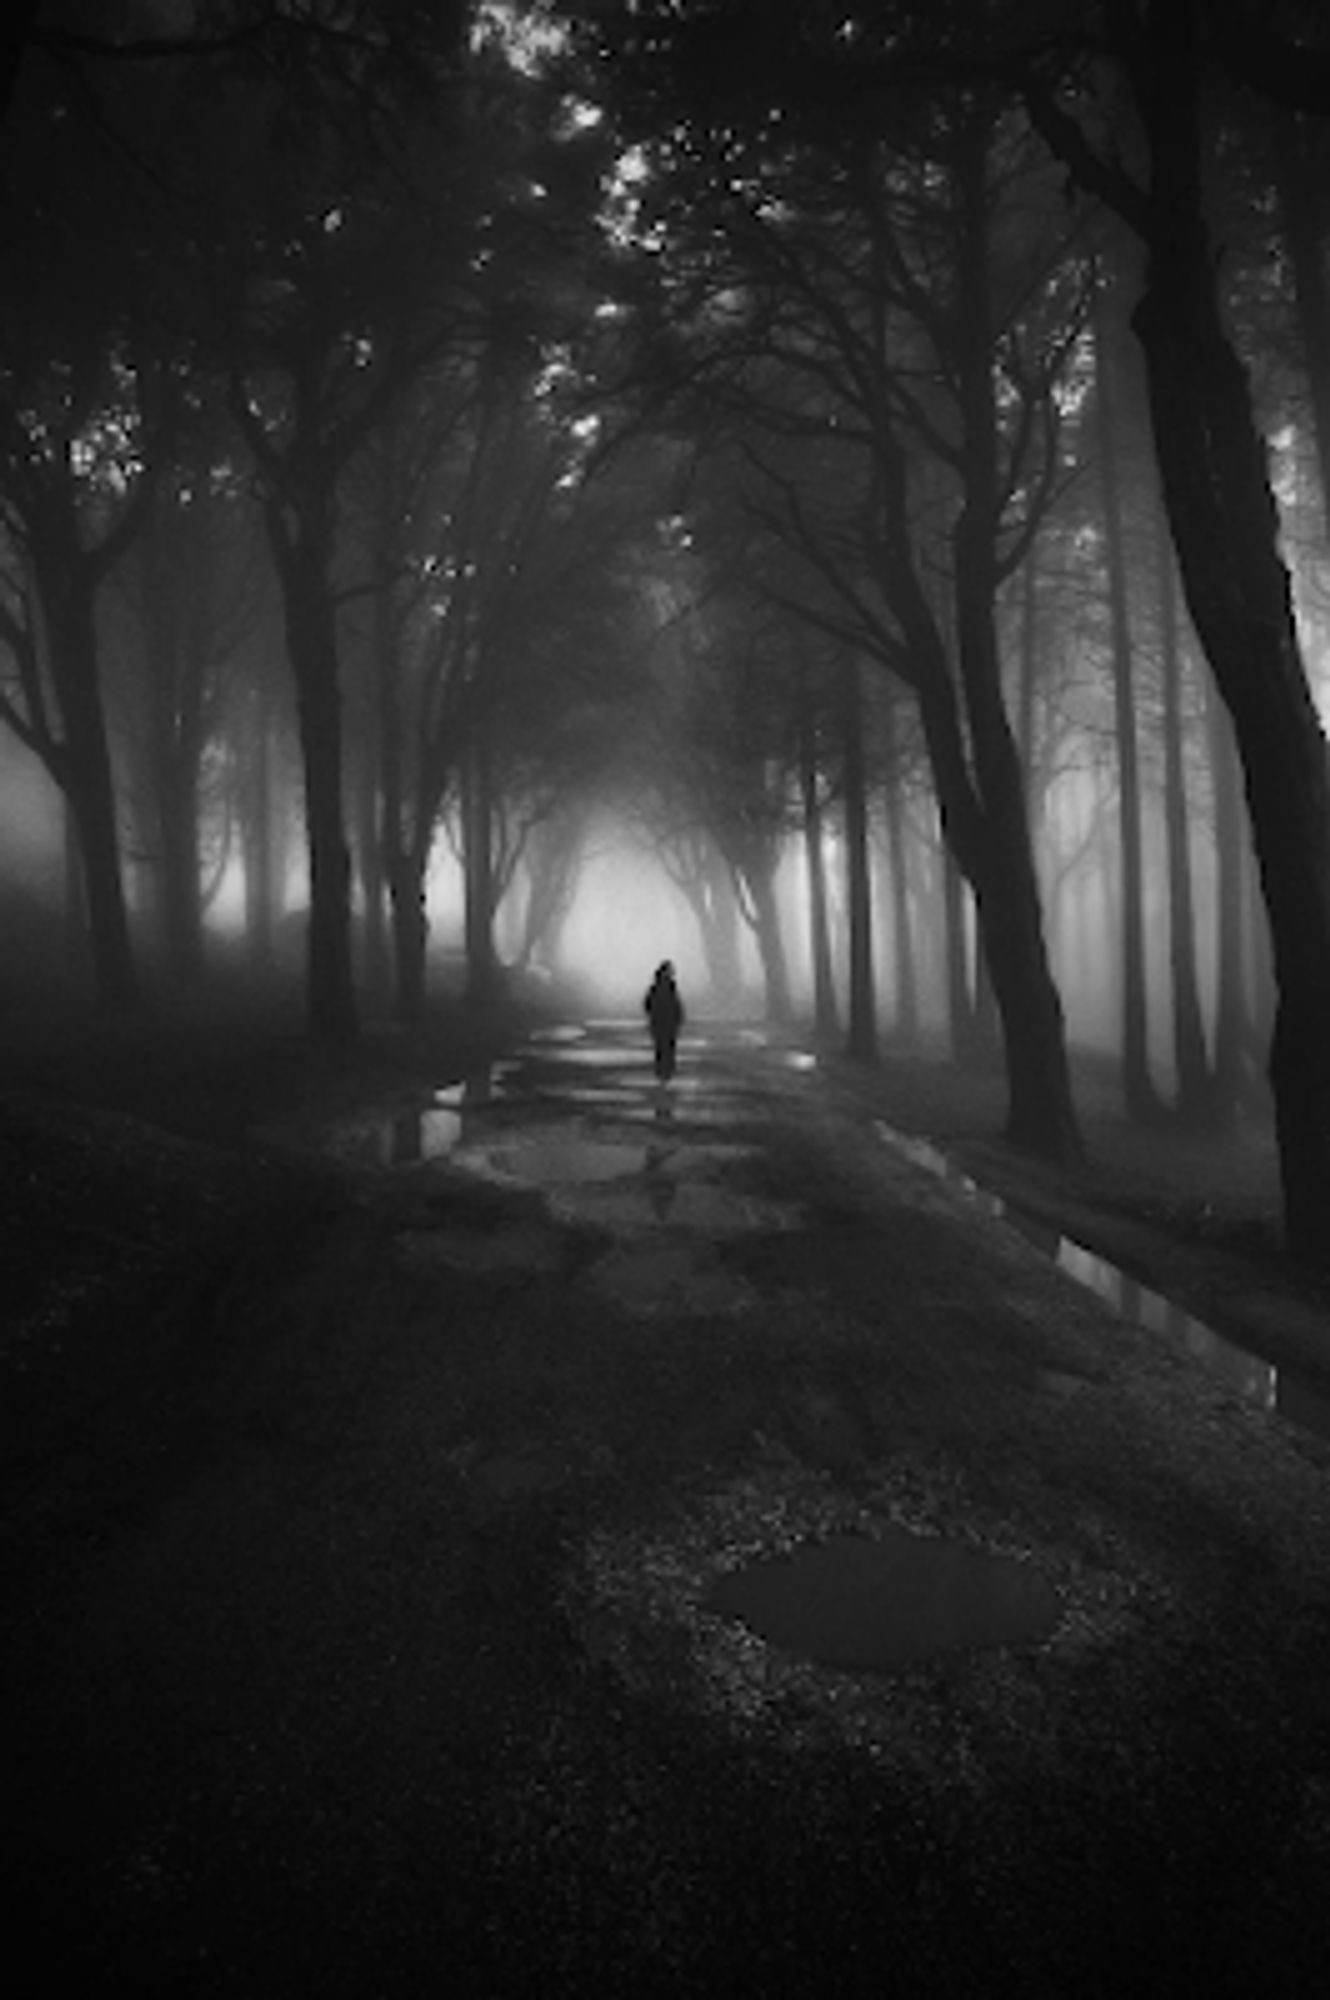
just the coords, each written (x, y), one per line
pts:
(624, 918)
(623, 911)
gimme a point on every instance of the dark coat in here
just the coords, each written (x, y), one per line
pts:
(662, 1006)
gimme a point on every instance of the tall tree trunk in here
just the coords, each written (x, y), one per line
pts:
(173, 601)
(410, 934)
(976, 767)
(264, 846)
(861, 1042)
(752, 871)
(906, 1023)
(181, 882)
(824, 982)
(1139, 1094)
(962, 1032)
(1226, 529)
(67, 597)
(482, 964)
(1028, 674)
(74, 911)
(1304, 215)
(552, 865)
(993, 845)
(301, 550)
(761, 885)
(985, 1012)
(1230, 1028)
(998, 862)
(403, 868)
(1191, 1061)
(721, 923)
(372, 870)
(1261, 991)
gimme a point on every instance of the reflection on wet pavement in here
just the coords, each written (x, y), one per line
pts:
(1249, 1375)
(594, 1056)
(576, 1114)
(663, 1193)
(599, 1096)
(399, 1138)
(593, 1072)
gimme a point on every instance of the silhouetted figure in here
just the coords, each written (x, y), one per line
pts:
(664, 1010)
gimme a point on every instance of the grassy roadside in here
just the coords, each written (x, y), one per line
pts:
(1193, 1216)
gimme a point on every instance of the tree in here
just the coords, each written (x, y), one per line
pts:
(896, 847)
(1225, 525)
(885, 280)
(1141, 1099)
(1196, 1086)
(1122, 96)
(86, 411)
(187, 598)
(734, 766)
(321, 346)
(814, 804)
(861, 1041)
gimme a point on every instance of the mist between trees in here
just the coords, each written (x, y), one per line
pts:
(845, 484)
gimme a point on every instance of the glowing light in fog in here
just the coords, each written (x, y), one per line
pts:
(626, 916)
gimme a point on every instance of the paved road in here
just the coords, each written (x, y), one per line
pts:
(382, 1634)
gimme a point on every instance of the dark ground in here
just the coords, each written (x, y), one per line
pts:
(358, 1524)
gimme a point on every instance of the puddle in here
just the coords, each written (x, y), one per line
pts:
(611, 1095)
(1249, 1375)
(400, 1138)
(698, 1115)
(872, 1602)
(677, 1613)
(564, 1031)
(607, 1058)
(412, 1133)
(1253, 1379)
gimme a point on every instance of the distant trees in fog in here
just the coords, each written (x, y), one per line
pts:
(328, 254)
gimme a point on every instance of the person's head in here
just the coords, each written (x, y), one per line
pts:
(665, 970)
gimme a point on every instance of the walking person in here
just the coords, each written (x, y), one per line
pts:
(664, 1012)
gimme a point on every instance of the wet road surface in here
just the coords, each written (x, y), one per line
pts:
(661, 1539)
